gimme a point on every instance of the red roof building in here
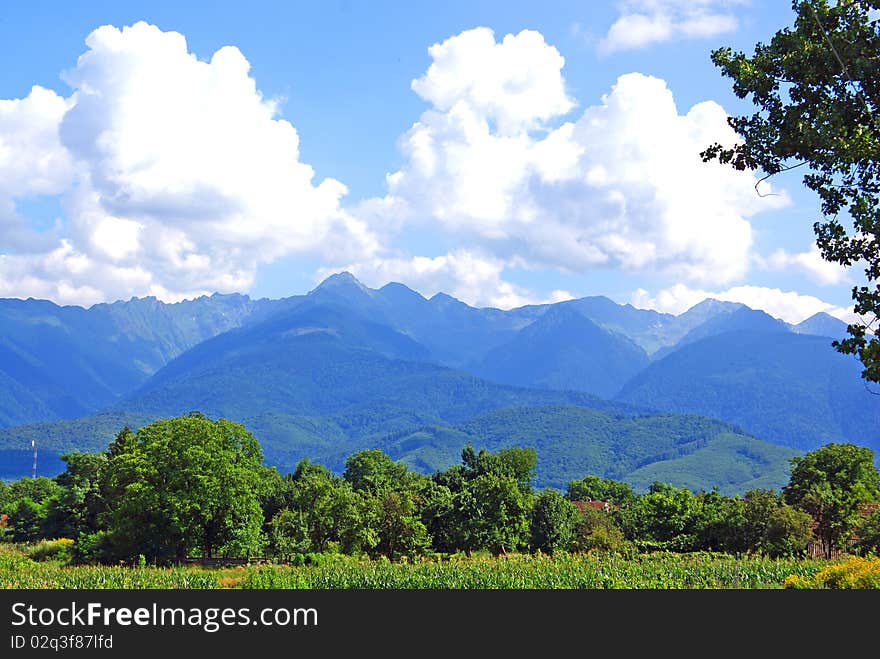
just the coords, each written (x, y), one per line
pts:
(595, 505)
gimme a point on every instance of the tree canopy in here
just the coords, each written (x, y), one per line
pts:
(183, 486)
(193, 487)
(816, 86)
(831, 483)
(596, 488)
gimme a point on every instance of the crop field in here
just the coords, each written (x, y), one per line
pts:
(651, 571)
(590, 571)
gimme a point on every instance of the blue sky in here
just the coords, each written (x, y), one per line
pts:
(503, 152)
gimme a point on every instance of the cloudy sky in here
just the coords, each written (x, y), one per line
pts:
(504, 152)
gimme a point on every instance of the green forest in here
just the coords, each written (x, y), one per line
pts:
(191, 487)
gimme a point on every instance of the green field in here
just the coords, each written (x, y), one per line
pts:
(593, 571)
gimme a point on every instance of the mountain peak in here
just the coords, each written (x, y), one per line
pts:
(339, 281)
(822, 324)
(557, 313)
(712, 306)
(821, 316)
(444, 299)
(397, 292)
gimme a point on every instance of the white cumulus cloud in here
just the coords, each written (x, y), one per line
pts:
(809, 262)
(183, 175)
(620, 187)
(645, 22)
(790, 306)
(516, 83)
(32, 162)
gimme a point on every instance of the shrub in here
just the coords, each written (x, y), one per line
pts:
(60, 550)
(596, 531)
(855, 573)
(92, 548)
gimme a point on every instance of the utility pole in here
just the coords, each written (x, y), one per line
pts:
(34, 447)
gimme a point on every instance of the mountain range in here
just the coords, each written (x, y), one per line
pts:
(719, 396)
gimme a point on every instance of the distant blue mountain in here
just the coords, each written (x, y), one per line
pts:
(346, 366)
(562, 349)
(315, 382)
(713, 318)
(64, 362)
(786, 388)
(822, 324)
(61, 362)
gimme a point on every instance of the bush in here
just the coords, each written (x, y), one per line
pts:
(596, 531)
(92, 548)
(856, 573)
(308, 558)
(60, 550)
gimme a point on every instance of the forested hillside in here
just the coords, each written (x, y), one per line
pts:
(347, 367)
(791, 389)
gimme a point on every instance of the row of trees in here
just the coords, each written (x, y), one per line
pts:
(192, 486)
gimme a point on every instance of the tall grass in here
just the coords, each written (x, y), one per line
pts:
(650, 571)
(645, 571)
(19, 571)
